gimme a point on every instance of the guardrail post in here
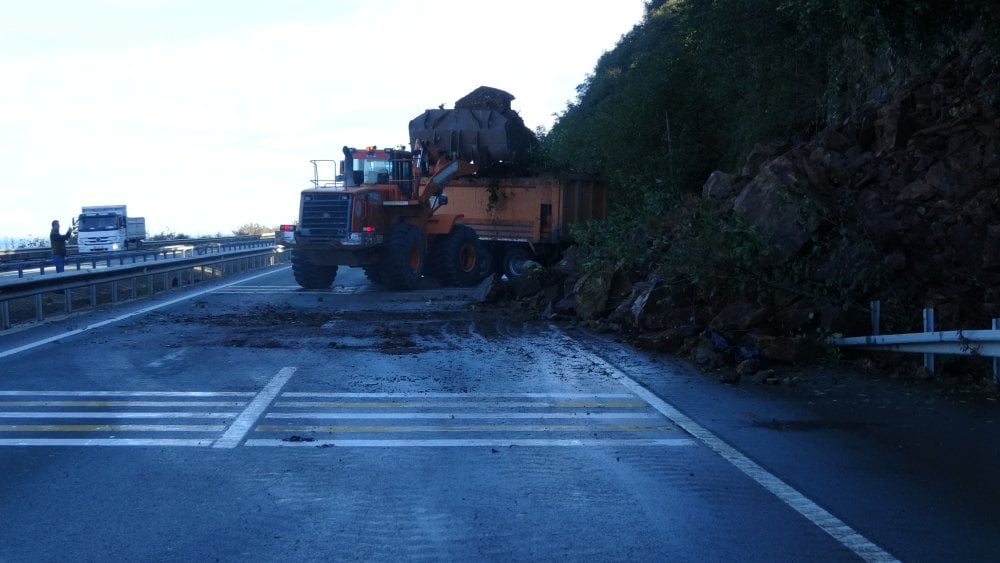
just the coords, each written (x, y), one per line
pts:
(68, 298)
(929, 327)
(39, 310)
(876, 311)
(5, 315)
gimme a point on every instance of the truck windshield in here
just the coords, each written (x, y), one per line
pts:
(372, 169)
(98, 223)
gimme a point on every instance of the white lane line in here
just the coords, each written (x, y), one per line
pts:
(127, 393)
(840, 531)
(477, 443)
(116, 415)
(98, 404)
(104, 442)
(461, 428)
(419, 395)
(243, 423)
(463, 415)
(143, 311)
(112, 427)
(633, 404)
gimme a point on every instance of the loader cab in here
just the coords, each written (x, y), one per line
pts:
(372, 166)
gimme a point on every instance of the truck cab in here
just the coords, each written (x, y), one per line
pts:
(109, 229)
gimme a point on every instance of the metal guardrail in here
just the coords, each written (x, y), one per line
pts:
(23, 301)
(41, 253)
(40, 259)
(930, 342)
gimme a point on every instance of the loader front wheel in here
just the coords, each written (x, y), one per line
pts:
(309, 275)
(403, 264)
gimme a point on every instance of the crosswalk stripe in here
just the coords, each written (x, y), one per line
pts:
(444, 428)
(460, 404)
(494, 443)
(463, 415)
(112, 427)
(231, 404)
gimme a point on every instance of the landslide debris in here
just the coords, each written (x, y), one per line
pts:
(899, 202)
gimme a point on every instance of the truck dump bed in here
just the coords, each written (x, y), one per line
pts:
(533, 210)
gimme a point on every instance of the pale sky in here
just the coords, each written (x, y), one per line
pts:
(203, 115)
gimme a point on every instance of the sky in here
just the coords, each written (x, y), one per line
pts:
(203, 115)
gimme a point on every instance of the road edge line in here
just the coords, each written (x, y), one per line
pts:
(819, 516)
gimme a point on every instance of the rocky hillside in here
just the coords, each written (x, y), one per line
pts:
(899, 202)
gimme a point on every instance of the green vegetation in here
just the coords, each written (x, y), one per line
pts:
(697, 84)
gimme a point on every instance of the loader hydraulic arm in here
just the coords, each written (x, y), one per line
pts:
(442, 170)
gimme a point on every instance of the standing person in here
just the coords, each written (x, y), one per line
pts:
(58, 242)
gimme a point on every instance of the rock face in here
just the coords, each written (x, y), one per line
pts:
(909, 189)
(900, 202)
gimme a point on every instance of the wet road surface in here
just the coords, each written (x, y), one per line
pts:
(253, 420)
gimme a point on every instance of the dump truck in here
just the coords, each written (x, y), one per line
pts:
(108, 228)
(389, 210)
(523, 220)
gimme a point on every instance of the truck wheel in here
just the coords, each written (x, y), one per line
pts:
(309, 275)
(404, 257)
(458, 258)
(515, 261)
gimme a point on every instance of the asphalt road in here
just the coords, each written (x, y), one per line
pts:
(251, 420)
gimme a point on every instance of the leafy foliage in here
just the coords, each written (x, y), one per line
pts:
(695, 85)
(252, 229)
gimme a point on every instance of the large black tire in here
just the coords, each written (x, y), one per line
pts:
(405, 252)
(514, 261)
(311, 276)
(458, 258)
(373, 272)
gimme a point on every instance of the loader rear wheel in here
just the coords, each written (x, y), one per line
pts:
(309, 275)
(458, 258)
(403, 263)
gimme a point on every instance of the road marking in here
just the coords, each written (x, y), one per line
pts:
(115, 415)
(127, 393)
(103, 442)
(246, 420)
(112, 427)
(477, 443)
(143, 311)
(462, 415)
(122, 404)
(461, 404)
(819, 516)
(419, 395)
(445, 428)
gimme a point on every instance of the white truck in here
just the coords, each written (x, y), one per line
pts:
(108, 228)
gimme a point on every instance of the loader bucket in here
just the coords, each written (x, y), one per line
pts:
(482, 128)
